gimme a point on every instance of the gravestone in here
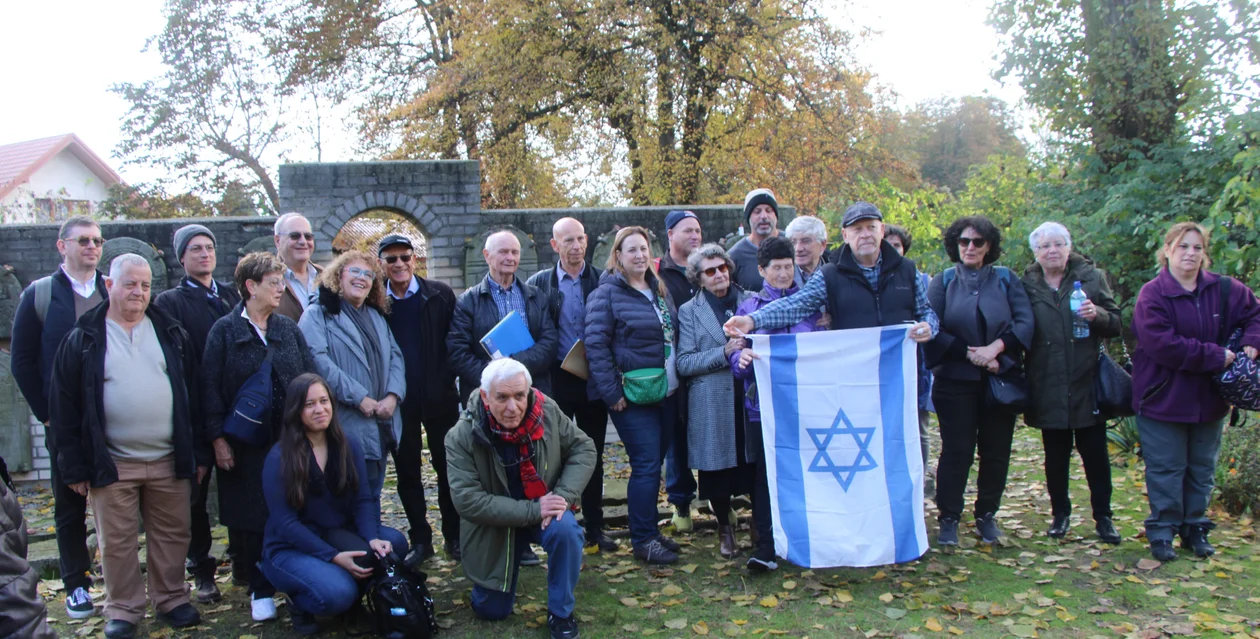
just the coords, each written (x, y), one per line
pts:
(120, 245)
(15, 424)
(266, 243)
(603, 246)
(475, 267)
(10, 294)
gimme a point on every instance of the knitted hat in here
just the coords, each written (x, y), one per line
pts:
(757, 197)
(185, 234)
(674, 217)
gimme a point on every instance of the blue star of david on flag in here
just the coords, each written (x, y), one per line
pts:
(823, 463)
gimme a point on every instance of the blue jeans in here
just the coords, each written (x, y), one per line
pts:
(1180, 473)
(319, 587)
(563, 540)
(646, 432)
(680, 482)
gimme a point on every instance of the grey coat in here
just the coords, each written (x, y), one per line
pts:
(710, 386)
(341, 359)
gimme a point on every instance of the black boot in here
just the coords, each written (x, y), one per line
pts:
(1163, 551)
(1106, 530)
(1195, 538)
(1059, 527)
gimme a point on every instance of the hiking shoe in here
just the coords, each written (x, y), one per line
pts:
(207, 590)
(762, 561)
(418, 555)
(654, 552)
(1195, 538)
(303, 623)
(602, 542)
(682, 518)
(1163, 550)
(948, 535)
(1107, 531)
(262, 608)
(529, 557)
(1059, 527)
(452, 550)
(561, 627)
(181, 616)
(987, 528)
(672, 545)
(119, 629)
(79, 604)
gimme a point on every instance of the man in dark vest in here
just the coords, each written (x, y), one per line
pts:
(46, 313)
(567, 286)
(870, 284)
(197, 303)
(420, 317)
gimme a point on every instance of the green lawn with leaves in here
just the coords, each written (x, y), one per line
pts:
(1027, 586)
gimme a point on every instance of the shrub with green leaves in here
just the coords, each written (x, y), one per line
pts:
(1238, 468)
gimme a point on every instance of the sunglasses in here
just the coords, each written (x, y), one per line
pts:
(406, 258)
(85, 240)
(714, 270)
(364, 273)
(298, 235)
(977, 242)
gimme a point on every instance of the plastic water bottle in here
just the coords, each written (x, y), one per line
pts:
(1080, 328)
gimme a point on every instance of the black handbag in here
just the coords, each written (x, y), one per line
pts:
(1113, 387)
(1009, 391)
(1239, 383)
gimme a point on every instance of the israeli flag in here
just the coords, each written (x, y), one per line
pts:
(839, 418)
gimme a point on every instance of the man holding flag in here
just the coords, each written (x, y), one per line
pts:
(869, 285)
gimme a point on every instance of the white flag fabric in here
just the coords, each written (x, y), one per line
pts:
(839, 419)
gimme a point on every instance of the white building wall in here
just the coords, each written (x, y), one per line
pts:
(65, 171)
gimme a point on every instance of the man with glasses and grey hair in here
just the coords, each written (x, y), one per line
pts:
(295, 244)
(808, 236)
(46, 313)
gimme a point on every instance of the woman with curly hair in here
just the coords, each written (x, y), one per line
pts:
(356, 353)
(986, 322)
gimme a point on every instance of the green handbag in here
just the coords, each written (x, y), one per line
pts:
(644, 386)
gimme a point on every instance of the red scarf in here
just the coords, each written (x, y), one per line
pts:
(530, 430)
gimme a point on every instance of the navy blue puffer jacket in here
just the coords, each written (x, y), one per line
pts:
(623, 333)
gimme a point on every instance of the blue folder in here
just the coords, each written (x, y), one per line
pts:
(509, 337)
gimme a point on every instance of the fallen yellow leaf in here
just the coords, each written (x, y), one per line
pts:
(769, 602)
(630, 602)
(933, 624)
(886, 597)
(670, 590)
(700, 628)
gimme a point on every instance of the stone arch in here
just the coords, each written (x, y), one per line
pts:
(365, 230)
(416, 208)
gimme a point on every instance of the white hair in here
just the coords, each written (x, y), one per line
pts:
(806, 225)
(278, 229)
(501, 370)
(122, 262)
(1048, 230)
(503, 232)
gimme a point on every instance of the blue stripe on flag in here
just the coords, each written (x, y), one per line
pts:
(789, 470)
(892, 396)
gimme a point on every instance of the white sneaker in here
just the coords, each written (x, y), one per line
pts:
(263, 609)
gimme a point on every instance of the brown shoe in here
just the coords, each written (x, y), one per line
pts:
(726, 541)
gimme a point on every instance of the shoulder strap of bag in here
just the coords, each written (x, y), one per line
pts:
(1226, 284)
(948, 276)
(43, 297)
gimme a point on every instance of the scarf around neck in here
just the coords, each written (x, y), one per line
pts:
(523, 437)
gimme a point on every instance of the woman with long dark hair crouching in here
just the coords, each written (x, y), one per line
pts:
(324, 527)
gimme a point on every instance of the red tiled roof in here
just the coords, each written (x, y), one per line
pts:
(20, 160)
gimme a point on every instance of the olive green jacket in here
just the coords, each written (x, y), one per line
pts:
(565, 459)
(1061, 370)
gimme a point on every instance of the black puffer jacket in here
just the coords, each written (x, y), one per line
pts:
(192, 306)
(476, 313)
(78, 405)
(623, 333)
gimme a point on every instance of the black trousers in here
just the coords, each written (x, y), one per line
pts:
(1091, 443)
(592, 419)
(70, 518)
(408, 462)
(250, 545)
(969, 424)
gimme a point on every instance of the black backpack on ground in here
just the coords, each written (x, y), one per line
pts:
(399, 602)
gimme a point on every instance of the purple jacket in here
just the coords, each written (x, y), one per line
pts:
(1177, 353)
(751, 404)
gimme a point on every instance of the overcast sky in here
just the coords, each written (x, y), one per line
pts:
(62, 56)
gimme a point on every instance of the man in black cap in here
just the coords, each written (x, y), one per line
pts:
(420, 317)
(197, 303)
(761, 211)
(868, 284)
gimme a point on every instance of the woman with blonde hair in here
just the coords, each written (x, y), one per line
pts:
(631, 344)
(1182, 319)
(356, 353)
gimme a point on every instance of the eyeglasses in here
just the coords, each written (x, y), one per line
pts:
(274, 282)
(406, 258)
(1057, 245)
(364, 273)
(977, 242)
(85, 240)
(298, 235)
(713, 270)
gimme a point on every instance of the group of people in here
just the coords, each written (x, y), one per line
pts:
(296, 382)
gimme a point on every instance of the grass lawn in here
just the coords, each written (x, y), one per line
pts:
(1028, 586)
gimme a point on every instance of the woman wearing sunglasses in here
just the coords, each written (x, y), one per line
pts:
(356, 353)
(715, 404)
(986, 323)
